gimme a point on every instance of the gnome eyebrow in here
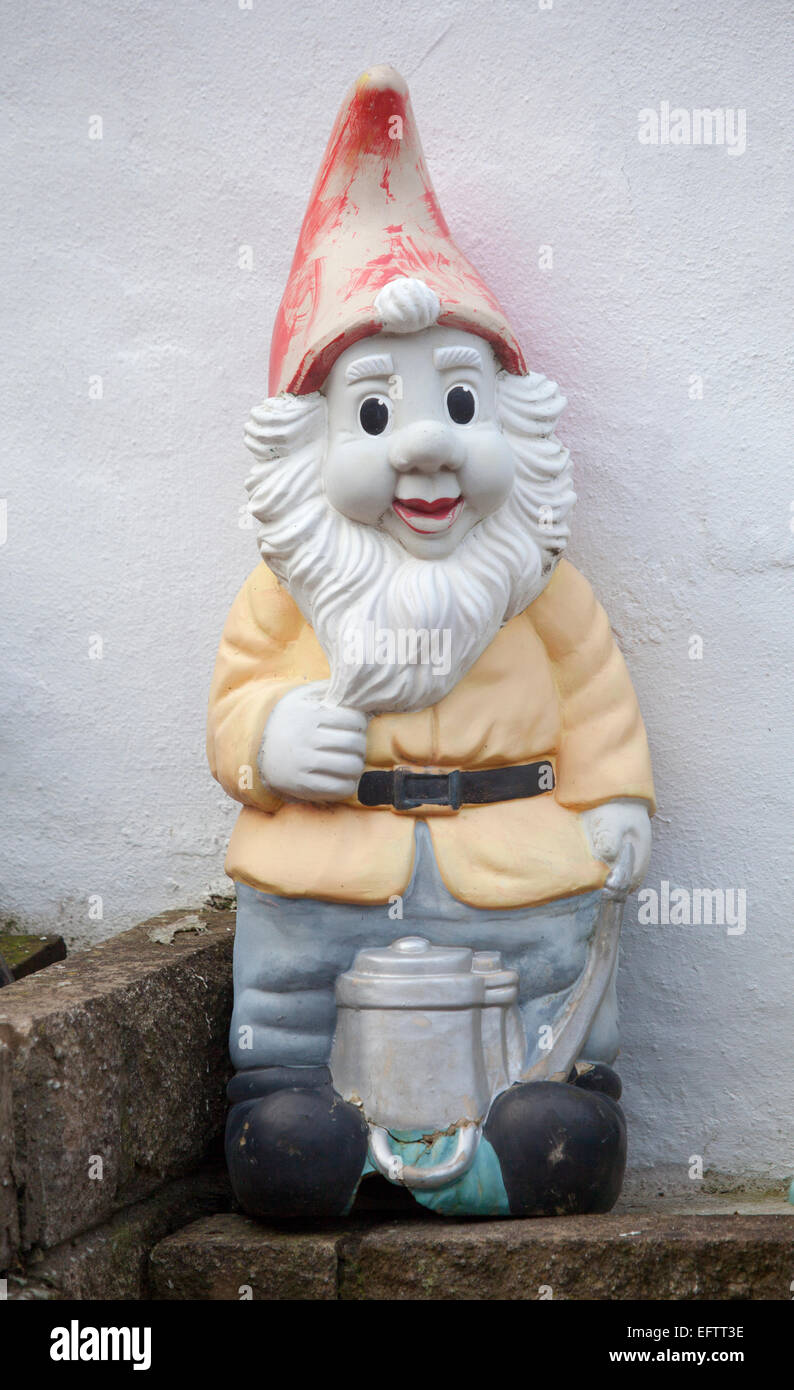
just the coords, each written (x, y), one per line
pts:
(446, 357)
(379, 365)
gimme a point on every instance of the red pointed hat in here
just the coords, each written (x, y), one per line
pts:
(373, 217)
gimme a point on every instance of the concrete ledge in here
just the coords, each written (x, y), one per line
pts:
(119, 1055)
(576, 1258)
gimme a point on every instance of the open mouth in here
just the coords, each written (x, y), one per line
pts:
(428, 517)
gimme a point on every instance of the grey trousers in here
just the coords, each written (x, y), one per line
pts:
(289, 951)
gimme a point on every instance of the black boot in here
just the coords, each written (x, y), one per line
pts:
(562, 1148)
(597, 1076)
(294, 1148)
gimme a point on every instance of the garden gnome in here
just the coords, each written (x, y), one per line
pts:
(434, 738)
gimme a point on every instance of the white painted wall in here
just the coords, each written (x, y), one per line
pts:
(121, 260)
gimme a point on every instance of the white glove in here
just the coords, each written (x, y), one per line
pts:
(609, 826)
(311, 750)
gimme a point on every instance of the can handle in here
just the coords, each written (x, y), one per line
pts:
(423, 1179)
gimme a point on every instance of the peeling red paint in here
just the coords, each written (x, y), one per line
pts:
(439, 220)
(349, 247)
(317, 364)
(509, 354)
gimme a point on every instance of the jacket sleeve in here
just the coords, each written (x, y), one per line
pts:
(255, 666)
(603, 750)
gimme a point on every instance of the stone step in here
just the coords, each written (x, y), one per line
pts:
(24, 955)
(629, 1256)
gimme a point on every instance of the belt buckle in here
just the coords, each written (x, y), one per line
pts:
(449, 796)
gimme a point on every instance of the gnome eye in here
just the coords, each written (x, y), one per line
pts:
(374, 414)
(461, 404)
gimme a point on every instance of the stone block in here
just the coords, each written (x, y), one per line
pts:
(229, 1257)
(9, 1217)
(669, 1257)
(118, 1064)
(24, 955)
(577, 1258)
(112, 1260)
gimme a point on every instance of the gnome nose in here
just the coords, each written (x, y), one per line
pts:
(425, 447)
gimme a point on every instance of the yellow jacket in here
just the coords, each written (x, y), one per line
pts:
(552, 685)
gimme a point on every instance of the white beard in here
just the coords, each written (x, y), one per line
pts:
(353, 582)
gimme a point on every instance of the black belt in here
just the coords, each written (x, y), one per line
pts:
(405, 789)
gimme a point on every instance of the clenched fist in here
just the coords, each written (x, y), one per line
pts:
(311, 750)
(608, 827)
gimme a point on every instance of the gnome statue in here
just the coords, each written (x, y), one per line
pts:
(444, 774)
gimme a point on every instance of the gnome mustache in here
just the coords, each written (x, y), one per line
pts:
(459, 602)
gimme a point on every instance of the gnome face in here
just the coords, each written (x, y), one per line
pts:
(407, 472)
(340, 508)
(414, 442)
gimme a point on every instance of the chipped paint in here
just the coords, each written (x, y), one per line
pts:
(350, 244)
(164, 936)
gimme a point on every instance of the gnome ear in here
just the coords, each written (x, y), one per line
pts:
(406, 306)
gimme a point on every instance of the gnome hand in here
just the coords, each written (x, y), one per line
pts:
(609, 826)
(311, 750)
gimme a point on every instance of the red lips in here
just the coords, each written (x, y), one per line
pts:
(415, 506)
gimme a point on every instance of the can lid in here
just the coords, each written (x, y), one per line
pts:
(412, 956)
